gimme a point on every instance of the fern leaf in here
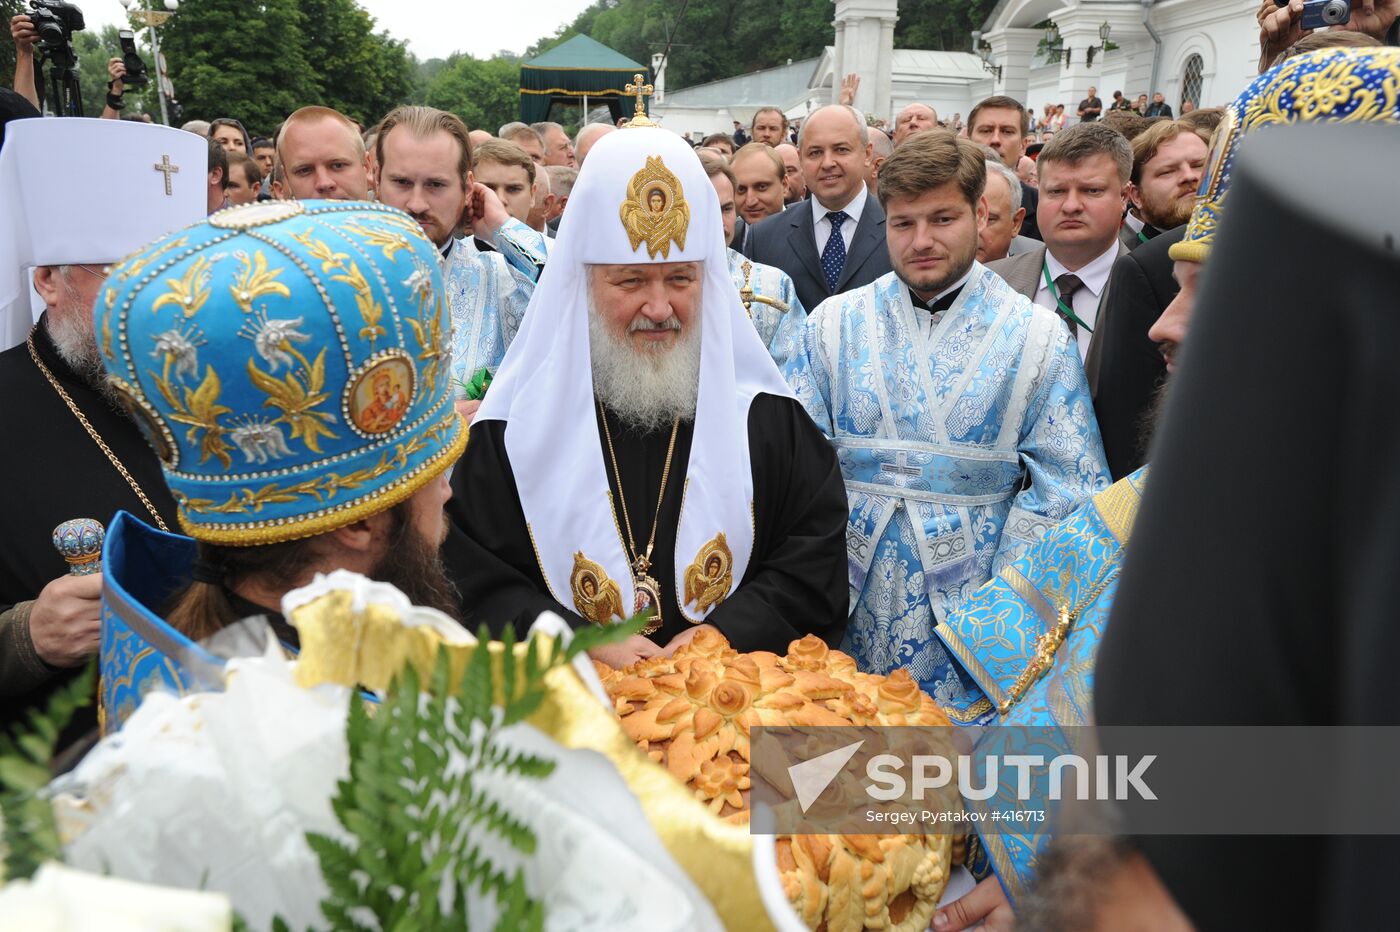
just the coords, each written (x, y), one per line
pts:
(508, 665)
(337, 865)
(475, 693)
(519, 763)
(420, 833)
(518, 912)
(30, 836)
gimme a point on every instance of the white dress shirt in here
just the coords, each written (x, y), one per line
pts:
(1085, 301)
(821, 226)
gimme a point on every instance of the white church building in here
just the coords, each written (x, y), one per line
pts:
(1204, 51)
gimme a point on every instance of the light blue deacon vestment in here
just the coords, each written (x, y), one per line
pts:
(488, 293)
(773, 306)
(961, 441)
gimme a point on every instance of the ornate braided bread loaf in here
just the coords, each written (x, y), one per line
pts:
(692, 712)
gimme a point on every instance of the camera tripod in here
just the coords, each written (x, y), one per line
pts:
(64, 91)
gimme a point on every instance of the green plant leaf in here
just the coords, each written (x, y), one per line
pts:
(29, 834)
(417, 766)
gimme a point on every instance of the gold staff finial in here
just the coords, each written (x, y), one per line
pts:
(642, 91)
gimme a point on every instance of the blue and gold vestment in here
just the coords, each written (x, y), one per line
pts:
(1005, 631)
(961, 441)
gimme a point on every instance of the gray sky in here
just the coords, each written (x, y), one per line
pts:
(433, 28)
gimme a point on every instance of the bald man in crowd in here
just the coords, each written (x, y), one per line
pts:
(792, 173)
(587, 135)
(881, 148)
(834, 241)
(914, 118)
(321, 154)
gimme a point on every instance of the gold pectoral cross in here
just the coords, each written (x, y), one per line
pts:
(648, 593)
(641, 91)
(167, 169)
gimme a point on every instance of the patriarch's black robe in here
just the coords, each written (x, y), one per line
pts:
(795, 582)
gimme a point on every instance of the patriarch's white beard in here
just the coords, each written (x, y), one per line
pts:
(647, 390)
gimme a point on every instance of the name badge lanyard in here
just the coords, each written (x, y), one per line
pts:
(1065, 309)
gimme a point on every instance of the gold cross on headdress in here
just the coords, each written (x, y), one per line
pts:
(167, 169)
(641, 91)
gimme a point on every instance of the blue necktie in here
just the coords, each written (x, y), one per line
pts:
(834, 255)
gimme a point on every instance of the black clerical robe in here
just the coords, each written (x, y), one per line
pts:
(1260, 585)
(1131, 369)
(795, 582)
(53, 472)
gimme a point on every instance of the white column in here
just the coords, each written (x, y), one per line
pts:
(865, 46)
(1013, 49)
(838, 60)
(1138, 53)
(880, 104)
(658, 78)
(1079, 30)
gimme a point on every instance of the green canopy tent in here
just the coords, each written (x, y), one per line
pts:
(581, 72)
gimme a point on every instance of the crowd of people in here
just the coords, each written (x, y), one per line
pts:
(864, 381)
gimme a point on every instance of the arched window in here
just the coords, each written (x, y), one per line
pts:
(1191, 81)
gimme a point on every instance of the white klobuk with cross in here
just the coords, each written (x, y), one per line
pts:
(109, 173)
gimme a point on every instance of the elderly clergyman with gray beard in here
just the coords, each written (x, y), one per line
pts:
(639, 450)
(76, 194)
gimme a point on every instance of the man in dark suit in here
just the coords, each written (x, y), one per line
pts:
(835, 240)
(1131, 369)
(1001, 122)
(1083, 172)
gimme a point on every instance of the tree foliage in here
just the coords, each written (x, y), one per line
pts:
(940, 24)
(486, 94)
(229, 60)
(720, 38)
(8, 8)
(258, 64)
(93, 50)
(360, 73)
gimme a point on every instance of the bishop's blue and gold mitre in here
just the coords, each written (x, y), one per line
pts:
(288, 361)
(1344, 84)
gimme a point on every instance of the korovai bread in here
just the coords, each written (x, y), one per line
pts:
(692, 714)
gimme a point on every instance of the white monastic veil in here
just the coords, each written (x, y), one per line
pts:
(543, 389)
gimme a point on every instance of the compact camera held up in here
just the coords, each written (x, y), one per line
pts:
(1320, 13)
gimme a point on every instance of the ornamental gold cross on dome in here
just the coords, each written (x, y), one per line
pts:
(642, 91)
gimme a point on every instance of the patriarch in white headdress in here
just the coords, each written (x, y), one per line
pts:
(629, 404)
